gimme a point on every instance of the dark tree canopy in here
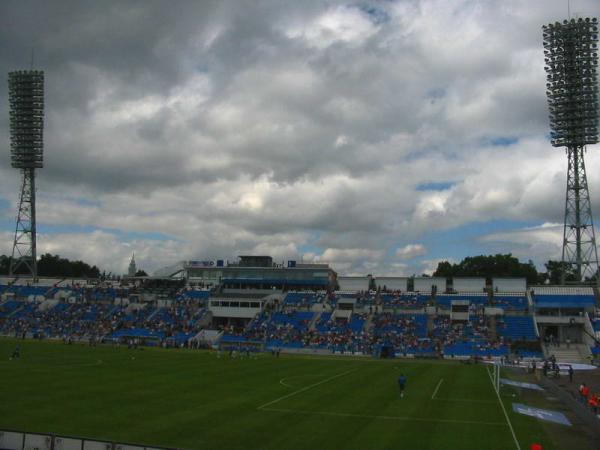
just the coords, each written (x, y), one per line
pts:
(55, 266)
(4, 264)
(555, 270)
(488, 267)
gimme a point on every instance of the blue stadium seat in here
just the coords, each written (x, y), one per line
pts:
(517, 328)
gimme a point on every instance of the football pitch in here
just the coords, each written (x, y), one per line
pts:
(195, 400)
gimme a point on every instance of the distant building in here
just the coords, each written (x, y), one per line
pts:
(132, 270)
(260, 273)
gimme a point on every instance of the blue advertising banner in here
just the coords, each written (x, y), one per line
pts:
(542, 414)
(520, 384)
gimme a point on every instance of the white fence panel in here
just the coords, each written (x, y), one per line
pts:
(392, 283)
(96, 445)
(37, 442)
(424, 284)
(62, 443)
(353, 284)
(509, 284)
(468, 284)
(14, 440)
(11, 440)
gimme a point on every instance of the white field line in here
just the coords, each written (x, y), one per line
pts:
(71, 366)
(451, 399)
(462, 400)
(283, 383)
(299, 391)
(367, 416)
(284, 380)
(437, 388)
(504, 411)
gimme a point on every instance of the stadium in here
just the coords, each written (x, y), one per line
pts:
(222, 353)
(265, 350)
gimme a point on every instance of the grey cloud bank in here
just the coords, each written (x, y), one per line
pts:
(287, 128)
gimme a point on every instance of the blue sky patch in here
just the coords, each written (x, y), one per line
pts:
(436, 93)
(376, 15)
(436, 186)
(86, 202)
(503, 141)
(463, 241)
(120, 234)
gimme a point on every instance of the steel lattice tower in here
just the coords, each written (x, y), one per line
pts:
(571, 56)
(26, 99)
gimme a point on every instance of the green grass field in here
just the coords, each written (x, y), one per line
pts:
(194, 400)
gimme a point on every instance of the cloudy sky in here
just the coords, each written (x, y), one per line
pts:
(379, 136)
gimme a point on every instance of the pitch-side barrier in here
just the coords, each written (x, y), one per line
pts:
(21, 440)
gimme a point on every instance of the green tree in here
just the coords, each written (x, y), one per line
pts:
(54, 266)
(555, 270)
(445, 269)
(4, 264)
(489, 266)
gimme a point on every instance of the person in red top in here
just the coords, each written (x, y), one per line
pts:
(585, 392)
(593, 402)
(582, 396)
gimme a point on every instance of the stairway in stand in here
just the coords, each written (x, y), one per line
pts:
(312, 326)
(369, 325)
(576, 353)
(492, 332)
(430, 324)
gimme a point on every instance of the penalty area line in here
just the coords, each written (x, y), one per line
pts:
(299, 391)
(437, 388)
(512, 431)
(368, 416)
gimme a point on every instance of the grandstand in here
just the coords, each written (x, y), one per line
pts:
(443, 322)
(361, 327)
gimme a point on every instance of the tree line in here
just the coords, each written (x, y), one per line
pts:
(484, 266)
(49, 265)
(506, 265)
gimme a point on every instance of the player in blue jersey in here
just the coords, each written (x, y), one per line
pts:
(402, 384)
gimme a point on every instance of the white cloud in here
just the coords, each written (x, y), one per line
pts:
(341, 24)
(411, 251)
(110, 253)
(539, 244)
(350, 254)
(547, 233)
(429, 266)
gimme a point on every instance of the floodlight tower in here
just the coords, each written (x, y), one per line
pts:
(26, 100)
(571, 56)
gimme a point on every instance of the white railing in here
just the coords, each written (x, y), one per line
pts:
(563, 290)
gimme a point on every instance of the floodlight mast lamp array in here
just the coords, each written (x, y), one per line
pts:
(571, 57)
(26, 101)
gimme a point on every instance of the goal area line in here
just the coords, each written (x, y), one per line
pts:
(269, 407)
(382, 417)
